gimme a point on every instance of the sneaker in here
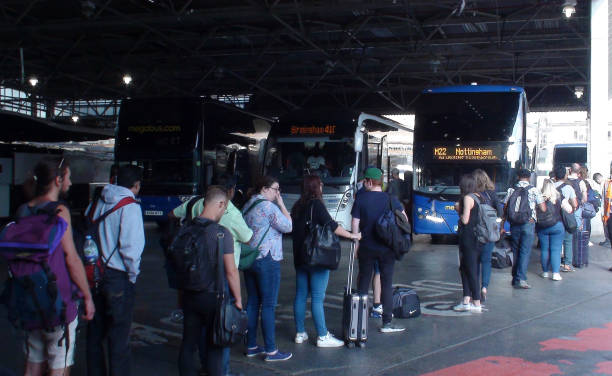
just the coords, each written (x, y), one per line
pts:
(544, 275)
(605, 243)
(475, 309)
(278, 356)
(375, 315)
(391, 328)
(301, 337)
(461, 307)
(329, 340)
(377, 308)
(567, 268)
(522, 285)
(255, 351)
(591, 244)
(556, 277)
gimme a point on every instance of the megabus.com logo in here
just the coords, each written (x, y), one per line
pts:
(154, 129)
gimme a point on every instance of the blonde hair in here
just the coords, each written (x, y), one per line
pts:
(483, 182)
(549, 192)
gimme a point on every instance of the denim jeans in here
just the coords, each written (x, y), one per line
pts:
(551, 241)
(522, 240)
(578, 216)
(485, 264)
(313, 281)
(199, 313)
(111, 324)
(568, 248)
(262, 281)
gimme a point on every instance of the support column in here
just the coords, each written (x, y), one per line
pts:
(598, 110)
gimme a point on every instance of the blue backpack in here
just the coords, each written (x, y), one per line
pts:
(394, 230)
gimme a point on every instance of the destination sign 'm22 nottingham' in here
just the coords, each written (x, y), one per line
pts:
(465, 153)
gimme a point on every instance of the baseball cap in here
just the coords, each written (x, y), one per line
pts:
(373, 173)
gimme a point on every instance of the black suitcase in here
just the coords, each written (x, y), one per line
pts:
(580, 245)
(354, 310)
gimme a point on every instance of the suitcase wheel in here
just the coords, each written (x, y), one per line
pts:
(350, 345)
(362, 345)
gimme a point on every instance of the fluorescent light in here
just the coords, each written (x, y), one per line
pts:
(75, 118)
(127, 79)
(568, 10)
(579, 91)
(33, 81)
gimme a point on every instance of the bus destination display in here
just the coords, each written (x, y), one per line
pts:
(313, 130)
(466, 153)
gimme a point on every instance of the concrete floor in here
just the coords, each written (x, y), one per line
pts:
(555, 328)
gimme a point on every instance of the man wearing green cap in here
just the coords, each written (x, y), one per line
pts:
(368, 207)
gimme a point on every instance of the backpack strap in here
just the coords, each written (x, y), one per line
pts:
(123, 202)
(476, 198)
(190, 205)
(253, 206)
(220, 267)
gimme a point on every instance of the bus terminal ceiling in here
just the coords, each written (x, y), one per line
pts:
(375, 55)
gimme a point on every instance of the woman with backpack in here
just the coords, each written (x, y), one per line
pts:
(312, 279)
(550, 231)
(486, 188)
(265, 213)
(469, 247)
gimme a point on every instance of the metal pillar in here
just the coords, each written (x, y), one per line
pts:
(598, 111)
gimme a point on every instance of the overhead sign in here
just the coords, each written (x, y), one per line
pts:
(466, 153)
(313, 130)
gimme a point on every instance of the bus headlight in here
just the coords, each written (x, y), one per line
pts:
(419, 210)
(434, 218)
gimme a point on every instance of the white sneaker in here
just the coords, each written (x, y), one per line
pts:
(556, 277)
(329, 340)
(301, 337)
(544, 275)
(461, 307)
(475, 309)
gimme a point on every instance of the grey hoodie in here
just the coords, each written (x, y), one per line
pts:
(123, 228)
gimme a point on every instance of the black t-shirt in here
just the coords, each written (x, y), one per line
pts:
(211, 232)
(368, 207)
(320, 216)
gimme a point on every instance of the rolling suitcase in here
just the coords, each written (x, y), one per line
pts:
(354, 310)
(580, 256)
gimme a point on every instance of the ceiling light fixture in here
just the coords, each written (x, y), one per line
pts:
(569, 8)
(127, 79)
(579, 91)
(75, 118)
(33, 81)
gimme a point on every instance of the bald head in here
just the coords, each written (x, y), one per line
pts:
(575, 168)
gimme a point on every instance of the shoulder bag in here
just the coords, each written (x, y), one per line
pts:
(230, 323)
(249, 254)
(322, 245)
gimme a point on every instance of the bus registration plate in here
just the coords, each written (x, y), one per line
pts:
(154, 213)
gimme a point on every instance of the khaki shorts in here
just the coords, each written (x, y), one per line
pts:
(43, 346)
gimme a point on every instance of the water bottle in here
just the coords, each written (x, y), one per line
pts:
(90, 250)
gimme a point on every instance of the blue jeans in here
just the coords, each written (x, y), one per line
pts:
(568, 250)
(313, 281)
(551, 241)
(485, 263)
(579, 219)
(522, 240)
(262, 281)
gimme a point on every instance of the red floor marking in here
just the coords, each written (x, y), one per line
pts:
(597, 339)
(498, 366)
(604, 367)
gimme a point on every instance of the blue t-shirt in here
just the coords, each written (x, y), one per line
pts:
(368, 207)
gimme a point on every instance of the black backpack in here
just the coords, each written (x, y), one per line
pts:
(394, 230)
(548, 218)
(575, 184)
(518, 209)
(174, 225)
(193, 259)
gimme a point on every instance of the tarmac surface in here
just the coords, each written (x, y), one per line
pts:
(555, 328)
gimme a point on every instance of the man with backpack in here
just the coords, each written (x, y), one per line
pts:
(520, 211)
(122, 240)
(200, 284)
(580, 188)
(43, 282)
(567, 193)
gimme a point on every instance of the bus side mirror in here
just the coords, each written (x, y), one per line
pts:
(358, 144)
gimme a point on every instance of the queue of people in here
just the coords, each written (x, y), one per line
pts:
(107, 294)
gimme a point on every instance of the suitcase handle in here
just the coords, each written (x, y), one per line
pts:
(351, 266)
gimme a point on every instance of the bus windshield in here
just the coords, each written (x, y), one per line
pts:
(444, 178)
(565, 156)
(331, 159)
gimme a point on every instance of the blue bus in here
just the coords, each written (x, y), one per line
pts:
(458, 129)
(181, 144)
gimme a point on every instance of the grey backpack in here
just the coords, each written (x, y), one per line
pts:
(488, 227)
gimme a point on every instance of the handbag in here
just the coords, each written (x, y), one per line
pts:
(248, 254)
(322, 245)
(230, 323)
(569, 221)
